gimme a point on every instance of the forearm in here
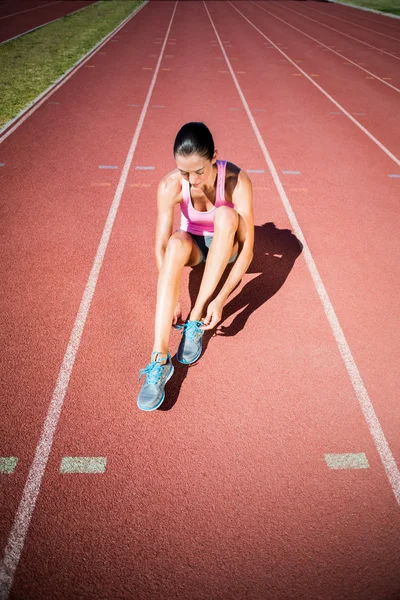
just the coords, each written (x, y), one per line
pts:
(239, 268)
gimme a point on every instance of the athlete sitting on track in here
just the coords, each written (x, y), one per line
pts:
(216, 206)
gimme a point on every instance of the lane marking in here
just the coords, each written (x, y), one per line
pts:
(255, 170)
(89, 66)
(166, 69)
(83, 464)
(347, 461)
(108, 167)
(136, 105)
(158, 106)
(144, 168)
(53, 103)
(2, 164)
(396, 175)
(329, 49)
(139, 185)
(19, 530)
(339, 106)
(360, 390)
(291, 172)
(8, 464)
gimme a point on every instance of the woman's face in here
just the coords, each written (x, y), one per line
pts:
(198, 170)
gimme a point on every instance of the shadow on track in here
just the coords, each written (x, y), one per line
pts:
(275, 252)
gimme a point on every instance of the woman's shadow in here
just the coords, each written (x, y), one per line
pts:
(275, 252)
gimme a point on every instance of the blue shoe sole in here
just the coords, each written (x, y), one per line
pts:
(162, 397)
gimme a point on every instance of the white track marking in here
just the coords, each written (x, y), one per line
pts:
(43, 97)
(25, 510)
(338, 31)
(353, 23)
(295, 65)
(29, 9)
(48, 23)
(328, 48)
(374, 426)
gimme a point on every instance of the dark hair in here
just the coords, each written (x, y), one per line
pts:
(194, 138)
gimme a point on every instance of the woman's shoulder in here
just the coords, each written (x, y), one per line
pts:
(170, 186)
(233, 176)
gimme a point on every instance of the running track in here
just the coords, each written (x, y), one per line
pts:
(228, 492)
(17, 18)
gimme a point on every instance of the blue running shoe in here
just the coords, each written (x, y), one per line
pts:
(152, 394)
(191, 343)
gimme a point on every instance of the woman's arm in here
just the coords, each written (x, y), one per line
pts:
(166, 199)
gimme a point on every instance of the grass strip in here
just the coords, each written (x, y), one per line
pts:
(388, 6)
(32, 62)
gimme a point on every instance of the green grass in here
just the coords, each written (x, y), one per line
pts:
(389, 6)
(32, 62)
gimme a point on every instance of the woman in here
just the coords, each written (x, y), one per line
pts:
(216, 206)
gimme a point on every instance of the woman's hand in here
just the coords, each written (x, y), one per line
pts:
(177, 314)
(214, 314)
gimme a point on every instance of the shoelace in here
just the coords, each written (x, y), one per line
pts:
(191, 329)
(153, 372)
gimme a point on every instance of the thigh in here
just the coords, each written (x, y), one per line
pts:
(195, 257)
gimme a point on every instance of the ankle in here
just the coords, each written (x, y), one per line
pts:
(157, 355)
(195, 316)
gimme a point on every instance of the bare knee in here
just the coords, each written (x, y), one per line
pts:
(179, 247)
(226, 218)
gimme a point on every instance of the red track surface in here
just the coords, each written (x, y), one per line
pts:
(225, 492)
(20, 17)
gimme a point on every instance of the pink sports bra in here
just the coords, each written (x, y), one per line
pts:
(202, 222)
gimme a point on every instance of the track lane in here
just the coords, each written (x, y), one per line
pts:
(368, 102)
(373, 67)
(376, 204)
(368, 55)
(18, 20)
(388, 48)
(51, 229)
(344, 10)
(209, 459)
(383, 32)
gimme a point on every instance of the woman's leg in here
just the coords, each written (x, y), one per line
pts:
(181, 251)
(226, 222)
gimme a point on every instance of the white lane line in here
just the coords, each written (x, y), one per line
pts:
(43, 97)
(83, 464)
(341, 32)
(347, 461)
(322, 45)
(363, 129)
(25, 510)
(354, 23)
(375, 428)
